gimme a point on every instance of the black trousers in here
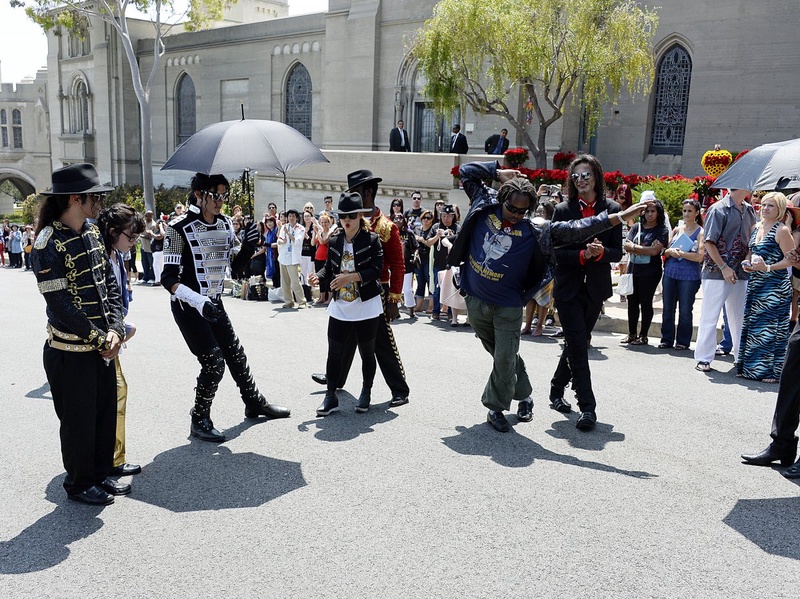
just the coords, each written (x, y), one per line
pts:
(386, 353)
(578, 316)
(84, 392)
(787, 407)
(210, 342)
(644, 290)
(339, 336)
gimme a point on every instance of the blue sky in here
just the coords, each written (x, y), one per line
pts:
(23, 47)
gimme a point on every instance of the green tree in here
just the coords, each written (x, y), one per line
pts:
(74, 15)
(480, 53)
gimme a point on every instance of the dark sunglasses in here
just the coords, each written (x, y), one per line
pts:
(581, 176)
(427, 218)
(515, 210)
(350, 216)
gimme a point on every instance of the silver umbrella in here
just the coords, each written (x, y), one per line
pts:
(762, 168)
(257, 145)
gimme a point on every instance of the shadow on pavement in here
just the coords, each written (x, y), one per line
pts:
(346, 424)
(769, 523)
(595, 440)
(45, 543)
(207, 476)
(513, 450)
(42, 392)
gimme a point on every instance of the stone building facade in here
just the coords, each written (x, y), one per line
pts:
(726, 74)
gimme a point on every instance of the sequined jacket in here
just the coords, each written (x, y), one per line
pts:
(77, 281)
(393, 264)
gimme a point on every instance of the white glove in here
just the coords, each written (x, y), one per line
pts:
(194, 299)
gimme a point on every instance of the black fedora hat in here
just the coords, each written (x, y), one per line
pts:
(361, 178)
(351, 202)
(76, 179)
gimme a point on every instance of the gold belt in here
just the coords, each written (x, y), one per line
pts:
(80, 345)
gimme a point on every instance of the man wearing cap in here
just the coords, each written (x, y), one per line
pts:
(85, 329)
(504, 261)
(196, 254)
(728, 225)
(365, 184)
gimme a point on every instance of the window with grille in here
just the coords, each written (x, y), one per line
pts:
(16, 127)
(186, 117)
(671, 101)
(298, 100)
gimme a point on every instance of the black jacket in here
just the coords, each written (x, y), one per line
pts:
(570, 273)
(395, 140)
(459, 145)
(491, 142)
(368, 257)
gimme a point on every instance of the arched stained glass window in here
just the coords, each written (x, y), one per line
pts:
(298, 100)
(186, 115)
(671, 101)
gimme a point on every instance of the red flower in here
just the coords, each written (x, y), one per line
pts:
(454, 172)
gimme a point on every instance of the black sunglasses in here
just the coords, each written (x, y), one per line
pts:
(350, 215)
(515, 210)
(581, 176)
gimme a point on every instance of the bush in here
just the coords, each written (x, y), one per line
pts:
(670, 191)
(30, 208)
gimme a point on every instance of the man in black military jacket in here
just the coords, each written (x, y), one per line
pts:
(85, 328)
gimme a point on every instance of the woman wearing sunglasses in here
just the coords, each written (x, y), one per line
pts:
(353, 271)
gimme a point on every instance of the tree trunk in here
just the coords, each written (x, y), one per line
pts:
(147, 155)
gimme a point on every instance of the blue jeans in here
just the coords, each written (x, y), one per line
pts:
(147, 267)
(422, 273)
(680, 294)
(726, 344)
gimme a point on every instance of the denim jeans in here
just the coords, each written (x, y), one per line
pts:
(727, 342)
(681, 294)
(422, 273)
(148, 274)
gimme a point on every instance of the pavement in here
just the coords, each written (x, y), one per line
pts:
(422, 501)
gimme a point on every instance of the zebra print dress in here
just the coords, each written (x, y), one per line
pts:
(765, 330)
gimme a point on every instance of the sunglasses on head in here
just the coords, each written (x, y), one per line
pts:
(515, 210)
(350, 216)
(581, 176)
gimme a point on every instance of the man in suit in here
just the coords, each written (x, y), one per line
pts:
(458, 142)
(582, 284)
(399, 141)
(497, 144)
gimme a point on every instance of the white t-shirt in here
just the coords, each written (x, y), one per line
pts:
(290, 252)
(347, 304)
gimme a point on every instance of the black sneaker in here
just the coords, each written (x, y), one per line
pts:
(329, 405)
(525, 410)
(586, 422)
(363, 401)
(498, 421)
(560, 405)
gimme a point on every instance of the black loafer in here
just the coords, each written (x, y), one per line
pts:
(525, 410)
(559, 405)
(203, 429)
(398, 400)
(261, 407)
(498, 421)
(770, 455)
(114, 487)
(793, 471)
(586, 421)
(126, 470)
(92, 496)
(319, 377)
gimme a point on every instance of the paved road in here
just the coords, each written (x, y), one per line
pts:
(421, 501)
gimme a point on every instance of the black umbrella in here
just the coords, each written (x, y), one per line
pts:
(763, 167)
(258, 145)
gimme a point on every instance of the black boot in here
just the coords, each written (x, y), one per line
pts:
(259, 406)
(363, 400)
(329, 404)
(203, 428)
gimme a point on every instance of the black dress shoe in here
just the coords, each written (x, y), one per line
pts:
(203, 429)
(793, 471)
(363, 401)
(114, 487)
(525, 410)
(560, 405)
(498, 421)
(770, 455)
(319, 377)
(126, 470)
(261, 407)
(329, 404)
(92, 496)
(586, 421)
(398, 400)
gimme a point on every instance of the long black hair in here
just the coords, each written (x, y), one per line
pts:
(115, 219)
(597, 172)
(50, 210)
